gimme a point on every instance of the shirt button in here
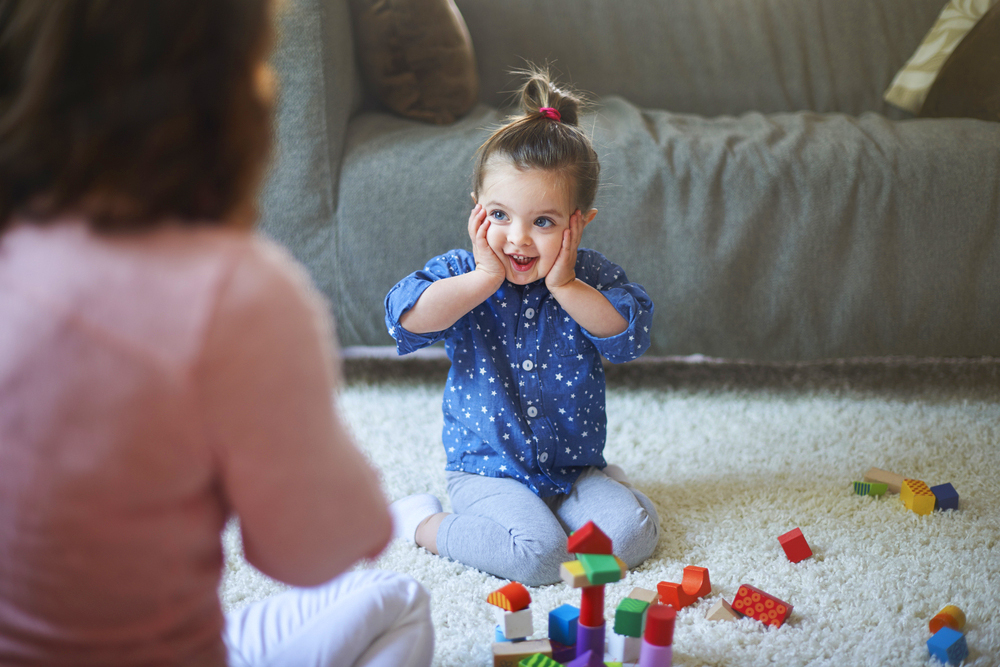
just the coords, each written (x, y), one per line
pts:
(532, 411)
(528, 364)
(543, 457)
(529, 313)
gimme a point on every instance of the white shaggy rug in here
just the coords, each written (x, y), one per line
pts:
(734, 455)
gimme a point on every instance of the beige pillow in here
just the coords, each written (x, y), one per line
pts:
(909, 88)
(968, 85)
(416, 57)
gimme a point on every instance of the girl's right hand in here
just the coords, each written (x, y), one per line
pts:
(486, 258)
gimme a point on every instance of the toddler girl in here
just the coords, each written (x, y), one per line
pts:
(525, 318)
(161, 368)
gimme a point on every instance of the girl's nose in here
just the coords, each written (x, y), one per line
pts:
(520, 234)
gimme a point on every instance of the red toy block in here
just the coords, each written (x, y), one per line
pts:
(512, 597)
(766, 608)
(695, 585)
(660, 625)
(589, 540)
(592, 606)
(795, 545)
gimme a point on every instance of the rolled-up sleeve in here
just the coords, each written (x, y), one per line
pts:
(404, 295)
(629, 299)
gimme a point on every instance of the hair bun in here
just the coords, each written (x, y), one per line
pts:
(540, 91)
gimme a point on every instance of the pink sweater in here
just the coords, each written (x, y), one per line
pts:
(150, 387)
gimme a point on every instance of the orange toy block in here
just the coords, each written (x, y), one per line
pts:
(694, 585)
(917, 496)
(589, 540)
(951, 617)
(766, 608)
(512, 597)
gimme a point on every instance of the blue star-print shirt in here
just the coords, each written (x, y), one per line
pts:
(525, 393)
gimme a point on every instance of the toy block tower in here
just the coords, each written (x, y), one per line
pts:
(948, 646)
(513, 613)
(695, 584)
(795, 545)
(595, 566)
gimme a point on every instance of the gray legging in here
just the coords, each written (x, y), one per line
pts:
(499, 526)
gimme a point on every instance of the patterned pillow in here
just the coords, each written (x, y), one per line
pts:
(968, 85)
(416, 57)
(909, 89)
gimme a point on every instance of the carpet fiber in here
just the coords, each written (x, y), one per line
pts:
(735, 455)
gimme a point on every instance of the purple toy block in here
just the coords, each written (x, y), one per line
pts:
(591, 640)
(581, 660)
(652, 655)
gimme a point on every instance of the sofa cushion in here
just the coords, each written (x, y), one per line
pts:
(416, 57)
(911, 84)
(968, 85)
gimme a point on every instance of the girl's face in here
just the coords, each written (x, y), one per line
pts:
(528, 211)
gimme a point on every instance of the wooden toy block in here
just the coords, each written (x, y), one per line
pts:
(948, 646)
(892, 481)
(945, 497)
(589, 540)
(950, 617)
(512, 597)
(629, 616)
(562, 624)
(917, 496)
(624, 648)
(539, 660)
(721, 611)
(660, 625)
(562, 652)
(762, 606)
(795, 545)
(644, 594)
(870, 488)
(590, 639)
(591, 606)
(510, 654)
(600, 568)
(573, 574)
(515, 624)
(695, 585)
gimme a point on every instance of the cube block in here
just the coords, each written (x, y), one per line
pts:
(562, 624)
(600, 568)
(948, 646)
(945, 497)
(917, 496)
(795, 545)
(515, 624)
(629, 617)
(624, 648)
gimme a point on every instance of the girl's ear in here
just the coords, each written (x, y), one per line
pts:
(586, 219)
(475, 200)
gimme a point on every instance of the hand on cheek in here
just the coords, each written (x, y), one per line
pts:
(563, 270)
(486, 257)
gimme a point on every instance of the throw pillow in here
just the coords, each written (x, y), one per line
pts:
(416, 57)
(909, 88)
(968, 85)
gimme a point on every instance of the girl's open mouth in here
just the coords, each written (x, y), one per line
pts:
(522, 263)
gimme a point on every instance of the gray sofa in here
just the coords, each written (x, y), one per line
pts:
(753, 179)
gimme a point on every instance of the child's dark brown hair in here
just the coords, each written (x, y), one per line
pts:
(536, 140)
(132, 111)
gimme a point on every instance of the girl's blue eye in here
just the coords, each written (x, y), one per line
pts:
(498, 215)
(544, 223)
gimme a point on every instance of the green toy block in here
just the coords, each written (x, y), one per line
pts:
(628, 617)
(870, 488)
(539, 660)
(600, 568)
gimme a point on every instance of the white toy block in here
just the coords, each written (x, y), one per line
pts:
(624, 649)
(515, 624)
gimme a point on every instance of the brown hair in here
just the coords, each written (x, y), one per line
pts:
(132, 111)
(534, 140)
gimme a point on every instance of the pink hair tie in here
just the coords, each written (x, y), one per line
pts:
(550, 113)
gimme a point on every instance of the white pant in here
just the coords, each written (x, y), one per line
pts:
(371, 618)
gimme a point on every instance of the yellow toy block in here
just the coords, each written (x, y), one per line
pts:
(573, 574)
(917, 496)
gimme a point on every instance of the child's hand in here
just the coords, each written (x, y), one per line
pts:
(563, 270)
(486, 259)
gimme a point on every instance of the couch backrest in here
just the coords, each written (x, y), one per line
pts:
(710, 57)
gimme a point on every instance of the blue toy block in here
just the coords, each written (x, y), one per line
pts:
(945, 497)
(562, 624)
(948, 646)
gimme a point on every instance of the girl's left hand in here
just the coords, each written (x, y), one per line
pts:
(563, 270)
